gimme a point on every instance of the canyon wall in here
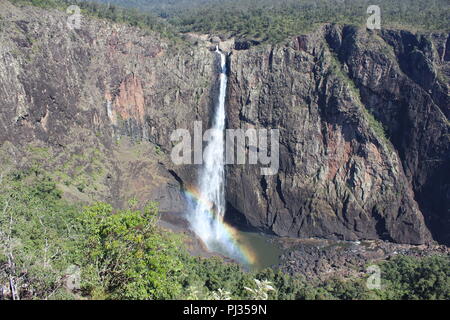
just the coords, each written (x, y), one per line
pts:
(364, 135)
(363, 120)
(80, 102)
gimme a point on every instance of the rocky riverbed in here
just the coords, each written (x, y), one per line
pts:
(323, 259)
(314, 259)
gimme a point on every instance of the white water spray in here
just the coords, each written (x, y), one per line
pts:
(208, 212)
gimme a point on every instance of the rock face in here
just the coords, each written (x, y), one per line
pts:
(81, 94)
(363, 120)
(364, 135)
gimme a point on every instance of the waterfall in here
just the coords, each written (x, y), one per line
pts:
(208, 212)
(212, 180)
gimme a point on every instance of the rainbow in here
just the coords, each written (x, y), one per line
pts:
(236, 248)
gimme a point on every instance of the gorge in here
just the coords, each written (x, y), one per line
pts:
(363, 118)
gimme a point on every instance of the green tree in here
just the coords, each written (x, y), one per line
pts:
(412, 278)
(37, 235)
(128, 256)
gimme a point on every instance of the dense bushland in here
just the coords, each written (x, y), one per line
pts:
(274, 20)
(262, 20)
(51, 249)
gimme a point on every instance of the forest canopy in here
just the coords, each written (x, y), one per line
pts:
(274, 20)
(262, 20)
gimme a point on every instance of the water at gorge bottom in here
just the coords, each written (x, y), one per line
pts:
(259, 250)
(253, 250)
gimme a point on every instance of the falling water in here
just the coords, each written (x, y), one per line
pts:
(207, 215)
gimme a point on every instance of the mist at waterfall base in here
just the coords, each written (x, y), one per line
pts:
(253, 250)
(216, 234)
(208, 206)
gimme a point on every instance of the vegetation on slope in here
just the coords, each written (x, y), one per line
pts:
(263, 20)
(55, 250)
(269, 20)
(131, 16)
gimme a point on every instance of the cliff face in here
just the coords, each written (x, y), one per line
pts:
(96, 107)
(413, 105)
(364, 135)
(73, 100)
